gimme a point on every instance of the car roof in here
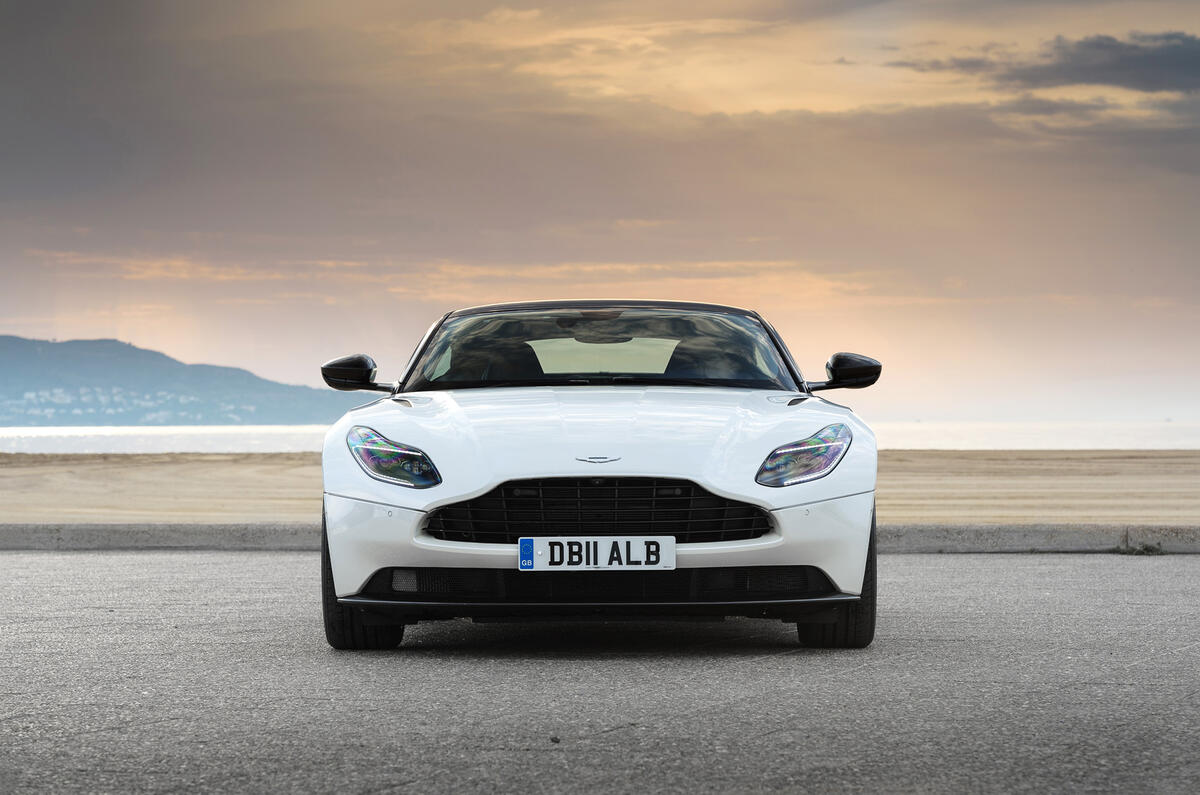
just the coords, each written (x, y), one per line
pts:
(599, 303)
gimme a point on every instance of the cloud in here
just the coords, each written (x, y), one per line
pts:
(1144, 62)
(639, 223)
(331, 264)
(181, 268)
(745, 282)
(1031, 105)
(969, 66)
(1147, 62)
(173, 268)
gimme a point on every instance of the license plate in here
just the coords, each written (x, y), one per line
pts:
(607, 553)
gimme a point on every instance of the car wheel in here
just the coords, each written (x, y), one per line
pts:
(855, 624)
(344, 627)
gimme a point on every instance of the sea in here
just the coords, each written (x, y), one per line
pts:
(912, 435)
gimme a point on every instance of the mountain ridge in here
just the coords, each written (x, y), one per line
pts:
(110, 382)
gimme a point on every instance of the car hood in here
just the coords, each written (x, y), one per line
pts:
(717, 437)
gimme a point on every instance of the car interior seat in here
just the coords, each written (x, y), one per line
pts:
(704, 358)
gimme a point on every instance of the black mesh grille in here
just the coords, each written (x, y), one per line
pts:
(727, 584)
(598, 507)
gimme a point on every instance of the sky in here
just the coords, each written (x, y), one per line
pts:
(999, 200)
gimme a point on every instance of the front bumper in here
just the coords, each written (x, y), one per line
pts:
(831, 535)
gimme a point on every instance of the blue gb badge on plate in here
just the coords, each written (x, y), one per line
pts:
(526, 554)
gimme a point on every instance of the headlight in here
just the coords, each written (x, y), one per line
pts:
(807, 459)
(384, 459)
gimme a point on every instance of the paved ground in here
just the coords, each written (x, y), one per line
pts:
(183, 670)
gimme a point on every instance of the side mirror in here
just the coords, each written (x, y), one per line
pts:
(848, 371)
(353, 372)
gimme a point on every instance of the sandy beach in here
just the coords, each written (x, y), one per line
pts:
(915, 487)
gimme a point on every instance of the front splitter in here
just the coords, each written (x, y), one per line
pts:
(409, 611)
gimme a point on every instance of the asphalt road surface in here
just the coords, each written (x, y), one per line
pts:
(184, 670)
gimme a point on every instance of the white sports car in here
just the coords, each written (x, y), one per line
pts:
(603, 459)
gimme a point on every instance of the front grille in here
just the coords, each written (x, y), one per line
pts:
(726, 584)
(598, 507)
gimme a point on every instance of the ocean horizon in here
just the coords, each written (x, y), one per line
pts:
(910, 435)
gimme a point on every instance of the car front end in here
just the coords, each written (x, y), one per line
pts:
(615, 495)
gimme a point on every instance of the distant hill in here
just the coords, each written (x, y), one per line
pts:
(108, 382)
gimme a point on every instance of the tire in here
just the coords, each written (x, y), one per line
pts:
(855, 624)
(344, 627)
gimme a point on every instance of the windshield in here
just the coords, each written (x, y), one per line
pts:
(567, 347)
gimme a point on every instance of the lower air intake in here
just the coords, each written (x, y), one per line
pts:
(727, 584)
